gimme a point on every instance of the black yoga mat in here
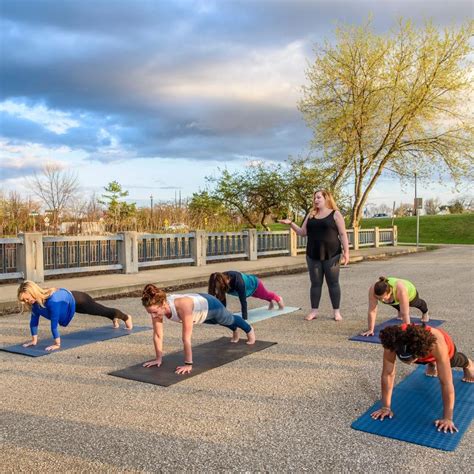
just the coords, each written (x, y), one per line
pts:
(206, 356)
(73, 339)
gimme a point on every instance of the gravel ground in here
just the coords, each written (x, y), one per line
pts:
(287, 408)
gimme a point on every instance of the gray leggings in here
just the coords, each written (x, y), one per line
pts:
(318, 269)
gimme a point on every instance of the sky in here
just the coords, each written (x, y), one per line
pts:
(159, 94)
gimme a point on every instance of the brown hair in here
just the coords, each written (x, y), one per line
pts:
(330, 202)
(39, 294)
(382, 286)
(415, 339)
(218, 286)
(152, 295)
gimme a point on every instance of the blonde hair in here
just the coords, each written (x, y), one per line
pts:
(38, 293)
(330, 202)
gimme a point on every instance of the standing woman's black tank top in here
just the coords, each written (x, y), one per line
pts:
(323, 238)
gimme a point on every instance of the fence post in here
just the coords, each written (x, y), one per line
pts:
(395, 236)
(377, 237)
(252, 244)
(199, 248)
(128, 254)
(356, 238)
(293, 243)
(30, 260)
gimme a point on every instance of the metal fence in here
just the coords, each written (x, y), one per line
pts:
(9, 258)
(163, 249)
(80, 254)
(227, 245)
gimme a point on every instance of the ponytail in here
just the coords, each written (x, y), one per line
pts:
(381, 286)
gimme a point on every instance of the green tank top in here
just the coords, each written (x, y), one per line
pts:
(392, 281)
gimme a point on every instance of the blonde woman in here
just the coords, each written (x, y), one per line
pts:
(59, 305)
(326, 231)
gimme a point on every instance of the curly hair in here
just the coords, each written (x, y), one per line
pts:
(417, 338)
(152, 295)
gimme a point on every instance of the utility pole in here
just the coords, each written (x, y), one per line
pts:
(151, 211)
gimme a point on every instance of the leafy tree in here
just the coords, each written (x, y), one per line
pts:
(456, 206)
(116, 209)
(397, 100)
(255, 193)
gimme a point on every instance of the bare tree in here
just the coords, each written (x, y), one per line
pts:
(55, 187)
(432, 206)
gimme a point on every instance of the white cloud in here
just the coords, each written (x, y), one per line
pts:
(54, 120)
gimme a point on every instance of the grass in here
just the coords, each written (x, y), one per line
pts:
(450, 229)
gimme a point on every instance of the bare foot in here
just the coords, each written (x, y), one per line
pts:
(115, 323)
(129, 322)
(235, 336)
(251, 337)
(469, 373)
(337, 315)
(431, 370)
(280, 303)
(425, 318)
(270, 306)
(312, 315)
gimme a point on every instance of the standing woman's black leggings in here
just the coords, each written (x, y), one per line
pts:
(86, 305)
(318, 269)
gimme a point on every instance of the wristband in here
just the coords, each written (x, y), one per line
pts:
(188, 363)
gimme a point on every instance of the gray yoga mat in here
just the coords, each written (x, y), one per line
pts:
(206, 356)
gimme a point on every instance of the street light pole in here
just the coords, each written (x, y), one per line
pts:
(417, 216)
(151, 211)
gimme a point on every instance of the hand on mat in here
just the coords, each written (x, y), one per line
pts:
(54, 347)
(382, 413)
(367, 333)
(183, 369)
(29, 344)
(446, 425)
(152, 363)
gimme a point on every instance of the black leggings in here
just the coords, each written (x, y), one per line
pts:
(86, 305)
(318, 269)
(459, 359)
(417, 302)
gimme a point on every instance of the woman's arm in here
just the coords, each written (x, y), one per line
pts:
(387, 380)
(341, 227)
(299, 230)
(184, 308)
(55, 314)
(34, 323)
(237, 284)
(402, 296)
(157, 342)
(441, 354)
(372, 313)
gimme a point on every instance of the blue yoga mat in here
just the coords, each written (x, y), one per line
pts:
(259, 314)
(375, 338)
(416, 403)
(74, 339)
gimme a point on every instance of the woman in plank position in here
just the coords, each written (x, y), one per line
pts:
(420, 344)
(188, 309)
(401, 294)
(241, 285)
(59, 305)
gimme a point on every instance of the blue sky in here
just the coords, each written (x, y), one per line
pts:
(159, 94)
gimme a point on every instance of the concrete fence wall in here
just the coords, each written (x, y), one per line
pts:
(34, 256)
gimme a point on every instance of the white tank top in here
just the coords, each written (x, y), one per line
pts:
(200, 307)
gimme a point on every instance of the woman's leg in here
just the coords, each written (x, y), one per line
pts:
(85, 304)
(331, 272)
(315, 269)
(420, 304)
(218, 314)
(263, 294)
(461, 360)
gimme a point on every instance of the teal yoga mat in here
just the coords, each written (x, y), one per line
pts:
(416, 403)
(74, 339)
(260, 314)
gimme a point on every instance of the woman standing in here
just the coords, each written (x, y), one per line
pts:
(59, 305)
(326, 231)
(188, 309)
